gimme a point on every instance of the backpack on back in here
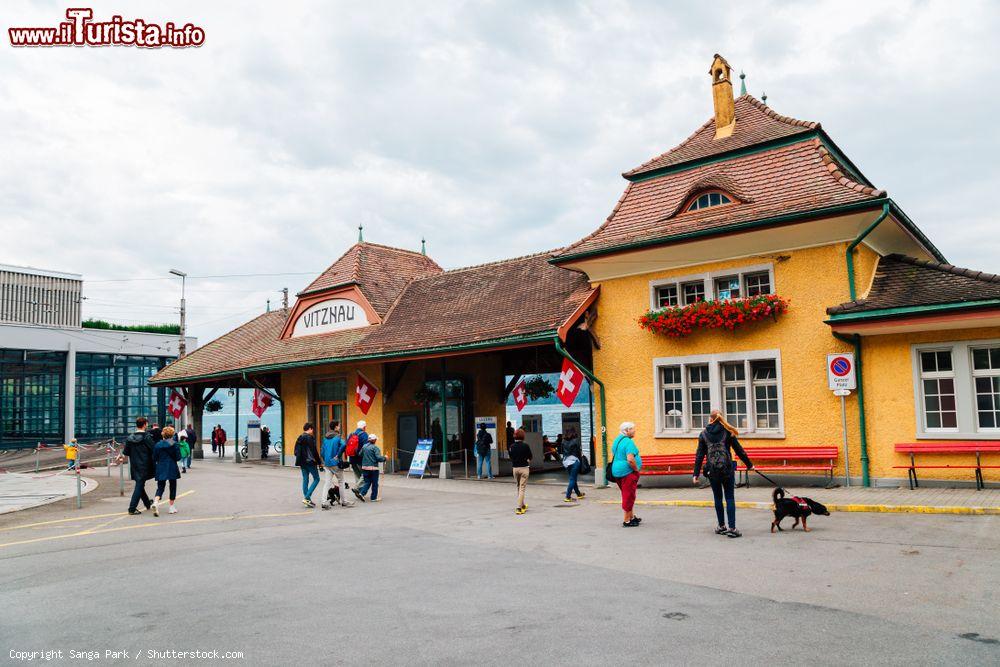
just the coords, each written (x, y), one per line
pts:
(718, 462)
(353, 445)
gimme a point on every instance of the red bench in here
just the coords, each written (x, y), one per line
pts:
(683, 464)
(824, 458)
(668, 464)
(977, 447)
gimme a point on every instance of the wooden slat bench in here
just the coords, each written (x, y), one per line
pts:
(683, 464)
(766, 459)
(668, 464)
(977, 447)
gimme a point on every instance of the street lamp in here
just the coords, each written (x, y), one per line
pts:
(182, 347)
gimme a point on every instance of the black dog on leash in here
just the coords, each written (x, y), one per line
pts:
(794, 506)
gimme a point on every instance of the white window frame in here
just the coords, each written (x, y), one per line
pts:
(708, 279)
(715, 362)
(981, 374)
(965, 391)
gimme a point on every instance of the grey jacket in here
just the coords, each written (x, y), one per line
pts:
(371, 456)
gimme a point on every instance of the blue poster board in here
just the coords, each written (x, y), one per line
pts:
(420, 457)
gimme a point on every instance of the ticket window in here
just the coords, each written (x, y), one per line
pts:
(532, 425)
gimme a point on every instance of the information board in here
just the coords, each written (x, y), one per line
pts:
(418, 464)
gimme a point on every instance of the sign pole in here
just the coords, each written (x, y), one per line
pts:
(843, 422)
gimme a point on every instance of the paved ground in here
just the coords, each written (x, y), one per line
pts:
(19, 491)
(444, 572)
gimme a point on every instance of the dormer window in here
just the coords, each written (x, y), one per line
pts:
(708, 200)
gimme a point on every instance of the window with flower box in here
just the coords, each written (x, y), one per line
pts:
(746, 386)
(726, 284)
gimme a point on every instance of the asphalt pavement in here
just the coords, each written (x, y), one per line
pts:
(443, 572)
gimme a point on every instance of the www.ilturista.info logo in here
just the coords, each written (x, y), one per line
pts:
(81, 30)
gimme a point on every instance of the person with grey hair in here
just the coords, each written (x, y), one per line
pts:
(625, 466)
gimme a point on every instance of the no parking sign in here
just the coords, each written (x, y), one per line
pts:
(840, 371)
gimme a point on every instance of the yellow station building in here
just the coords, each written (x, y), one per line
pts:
(758, 221)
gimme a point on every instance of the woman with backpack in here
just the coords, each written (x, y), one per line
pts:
(572, 461)
(715, 446)
(625, 466)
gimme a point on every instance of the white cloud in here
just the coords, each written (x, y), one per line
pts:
(493, 129)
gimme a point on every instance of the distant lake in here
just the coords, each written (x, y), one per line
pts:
(227, 416)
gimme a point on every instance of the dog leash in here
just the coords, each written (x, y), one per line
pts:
(765, 477)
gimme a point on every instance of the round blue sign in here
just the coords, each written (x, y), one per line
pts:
(840, 366)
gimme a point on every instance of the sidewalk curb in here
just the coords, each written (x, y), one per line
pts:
(89, 484)
(884, 509)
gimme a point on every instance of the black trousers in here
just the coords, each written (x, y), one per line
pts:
(161, 485)
(139, 493)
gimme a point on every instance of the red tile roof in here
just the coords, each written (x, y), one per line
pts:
(755, 123)
(794, 178)
(482, 304)
(380, 272)
(902, 281)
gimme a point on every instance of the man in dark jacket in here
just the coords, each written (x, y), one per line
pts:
(191, 443)
(307, 459)
(139, 452)
(484, 452)
(520, 460)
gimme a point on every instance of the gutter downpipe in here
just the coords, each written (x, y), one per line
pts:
(855, 340)
(854, 244)
(599, 480)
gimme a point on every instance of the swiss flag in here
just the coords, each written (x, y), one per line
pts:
(570, 381)
(261, 402)
(364, 394)
(176, 404)
(521, 395)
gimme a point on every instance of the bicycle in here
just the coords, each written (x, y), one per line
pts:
(246, 447)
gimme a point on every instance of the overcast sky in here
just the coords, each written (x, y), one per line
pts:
(492, 129)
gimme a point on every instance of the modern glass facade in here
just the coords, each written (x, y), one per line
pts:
(32, 397)
(111, 391)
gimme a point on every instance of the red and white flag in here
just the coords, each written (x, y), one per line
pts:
(521, 395)
(570, 381)
(364, 394)
(261, 402)
(176, 404)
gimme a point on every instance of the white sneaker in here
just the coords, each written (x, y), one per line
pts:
(156, 509)
(172, 510)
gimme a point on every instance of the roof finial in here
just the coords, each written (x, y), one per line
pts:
(763, 98)
(361, 234)
(743, 83)
(423, 246)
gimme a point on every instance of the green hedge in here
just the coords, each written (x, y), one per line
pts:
(174, 329)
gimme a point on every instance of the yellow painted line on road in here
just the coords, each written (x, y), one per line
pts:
(888, 509)
(78, 518)
(153, 524)
(55, 521)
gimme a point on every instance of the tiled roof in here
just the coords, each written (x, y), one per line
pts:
(490, 302)
(796, 178)
(381, 272)
(902, 281)
(755, 123)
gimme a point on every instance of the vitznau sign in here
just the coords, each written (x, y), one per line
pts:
(330, 315)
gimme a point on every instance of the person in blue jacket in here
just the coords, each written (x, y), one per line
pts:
(166, 454)
(332, 454)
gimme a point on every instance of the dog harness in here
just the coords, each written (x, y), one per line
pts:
(802, 503)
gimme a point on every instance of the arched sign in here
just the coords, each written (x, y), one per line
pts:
(330, 315)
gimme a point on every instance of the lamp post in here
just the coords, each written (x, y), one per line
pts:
(182, 347)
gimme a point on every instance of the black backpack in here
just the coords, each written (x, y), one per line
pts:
(718, 462)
